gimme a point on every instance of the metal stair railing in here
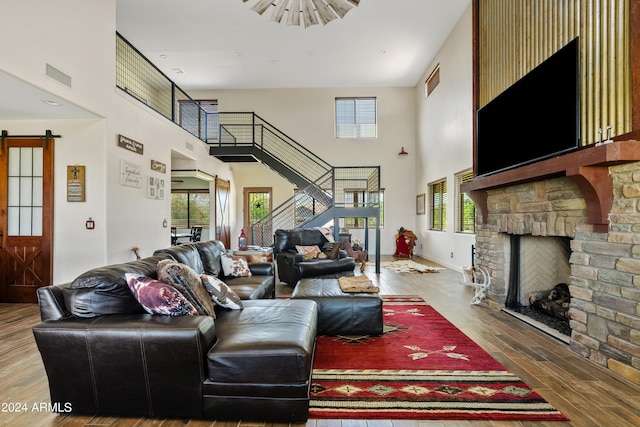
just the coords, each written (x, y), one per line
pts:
(305, 206)
(250, 130)
(325, 190)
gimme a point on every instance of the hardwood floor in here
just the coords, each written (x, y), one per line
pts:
(586, 393)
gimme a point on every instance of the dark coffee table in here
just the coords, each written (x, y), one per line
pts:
(341, 313)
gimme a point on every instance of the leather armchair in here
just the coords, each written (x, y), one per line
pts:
(292, 265)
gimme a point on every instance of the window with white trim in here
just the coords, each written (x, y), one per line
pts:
(356, 118)
(438, 205)
(465, 208)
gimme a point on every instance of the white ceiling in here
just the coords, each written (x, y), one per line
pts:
(223, 44)
(21, 101)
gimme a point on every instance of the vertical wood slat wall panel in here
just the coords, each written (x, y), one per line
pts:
(517, 35)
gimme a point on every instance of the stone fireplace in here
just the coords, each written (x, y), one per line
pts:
(590, 200)
(539, 262)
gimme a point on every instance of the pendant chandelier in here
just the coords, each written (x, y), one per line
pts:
(307, 12)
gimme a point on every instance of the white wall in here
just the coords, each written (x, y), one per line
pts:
(307, 116)
(78, 37)
(445, 142)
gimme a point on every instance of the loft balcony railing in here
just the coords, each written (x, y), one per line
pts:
(326, 193)
(138, 77)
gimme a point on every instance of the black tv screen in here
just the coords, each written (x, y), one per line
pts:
(535, 118)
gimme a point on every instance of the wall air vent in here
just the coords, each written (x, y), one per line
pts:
(58, 75)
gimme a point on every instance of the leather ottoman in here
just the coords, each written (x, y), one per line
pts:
(341, 313)
(260, 367)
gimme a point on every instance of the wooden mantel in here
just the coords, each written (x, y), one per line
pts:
(587, 166)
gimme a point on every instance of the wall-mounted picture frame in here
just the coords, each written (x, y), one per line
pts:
(420, 204)
(156, 188)
(130, 174)
(157, 166)
(75, 183)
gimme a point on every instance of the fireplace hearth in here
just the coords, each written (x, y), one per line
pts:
(560, 325)
(590, 198)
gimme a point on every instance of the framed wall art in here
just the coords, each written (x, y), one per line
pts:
(130, 174)
(75, 183)
(155, 190)
(420, 204)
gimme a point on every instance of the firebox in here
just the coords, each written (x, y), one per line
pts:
(539, 274)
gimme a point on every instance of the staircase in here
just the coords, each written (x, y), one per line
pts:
(324, 189)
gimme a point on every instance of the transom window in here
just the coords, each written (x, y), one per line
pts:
(356, 118)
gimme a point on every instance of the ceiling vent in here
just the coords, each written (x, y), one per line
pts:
(58, 75)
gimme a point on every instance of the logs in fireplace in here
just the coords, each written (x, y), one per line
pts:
(550, 308)
(554, 302)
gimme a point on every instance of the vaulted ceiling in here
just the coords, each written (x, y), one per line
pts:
(223, 44)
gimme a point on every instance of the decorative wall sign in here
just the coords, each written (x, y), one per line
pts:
(130, 174)
(75, 183)
(130, 144)
(158, 166)
(156, 188)
(420, 204)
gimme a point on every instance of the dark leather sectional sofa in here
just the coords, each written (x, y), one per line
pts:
(105, 356)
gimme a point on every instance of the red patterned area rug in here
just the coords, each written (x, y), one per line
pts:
(422, 368)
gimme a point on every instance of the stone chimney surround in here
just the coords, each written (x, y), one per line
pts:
(592, 196)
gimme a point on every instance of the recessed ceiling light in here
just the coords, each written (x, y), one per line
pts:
(382, 51)
(178, 70)
(163, 56)
(52, 103)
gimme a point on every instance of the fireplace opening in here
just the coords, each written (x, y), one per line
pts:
(539, 271)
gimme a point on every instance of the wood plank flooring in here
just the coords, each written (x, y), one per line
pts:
(586, 393)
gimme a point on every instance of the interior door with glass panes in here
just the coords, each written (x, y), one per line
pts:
(26, 210)
(257, 224)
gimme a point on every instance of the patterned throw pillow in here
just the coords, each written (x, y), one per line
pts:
(235, 266)
(221, 293)
(308, 250)
(187, 281)
(159, 298)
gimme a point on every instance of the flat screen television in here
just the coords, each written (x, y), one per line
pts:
(535, 118)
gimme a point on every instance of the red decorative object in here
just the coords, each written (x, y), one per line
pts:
(405, 241)
(242, 241)
(402, 152)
